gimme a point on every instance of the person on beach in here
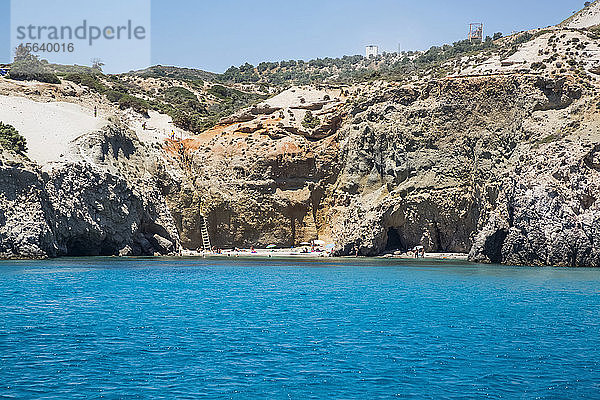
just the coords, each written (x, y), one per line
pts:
(95, 111)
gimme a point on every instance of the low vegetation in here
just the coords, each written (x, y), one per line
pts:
(186, 74)
(31, 68)
(350, 69)
(185, 99)
(135, 103)
(311, 121)
(513, 46)
(113, 90)
(91, 81)
(594, 32)
(11, 140)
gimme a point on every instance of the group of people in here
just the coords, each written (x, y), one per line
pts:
(419, 252)
(214, 250)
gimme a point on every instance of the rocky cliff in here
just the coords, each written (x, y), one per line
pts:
(504, 168)
(82, 208)
(499, 167)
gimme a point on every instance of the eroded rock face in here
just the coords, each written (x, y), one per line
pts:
(506, 168)
(96, 213)
(24, 231)
(548, 212)
(254, 190)
(501, 168)
(82, 209)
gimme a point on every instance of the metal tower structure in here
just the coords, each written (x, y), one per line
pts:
(476, 32)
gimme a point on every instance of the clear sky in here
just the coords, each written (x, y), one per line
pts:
(215, 34)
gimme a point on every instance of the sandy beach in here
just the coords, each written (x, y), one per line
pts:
(256, 253)
(437, 256)
(290, 252)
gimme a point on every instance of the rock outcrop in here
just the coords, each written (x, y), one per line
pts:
(546, 210)
(80, 208)
(501, 167)
(504, 168)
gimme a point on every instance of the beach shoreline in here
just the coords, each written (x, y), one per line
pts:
(290, 252)
(437, 256)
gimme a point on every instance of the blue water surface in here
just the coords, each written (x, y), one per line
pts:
(297, 329)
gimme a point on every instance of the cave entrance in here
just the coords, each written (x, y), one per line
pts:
(493, 246)
(79, 247)
(85, 247)
(394, 242)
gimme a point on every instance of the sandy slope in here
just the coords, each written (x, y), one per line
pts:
(48, 127)
(587, 17)
(158, 127)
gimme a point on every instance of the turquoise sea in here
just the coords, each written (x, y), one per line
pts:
(296, 329)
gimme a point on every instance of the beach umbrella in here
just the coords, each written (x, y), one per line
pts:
(304, 244)
(319, 242)
(271, 246)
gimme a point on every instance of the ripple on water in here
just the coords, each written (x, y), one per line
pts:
(326, 329)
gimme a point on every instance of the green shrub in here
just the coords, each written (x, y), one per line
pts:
(310, 121)
(62, 70)
(184, 74)
(114, 95)
(594, 32)
(523, 38)
(135, 103)
(188, 113)
(189, 121)
(91, 81)
(11, 140)
(538, 65)
(30, 68)
(197, 83)
(547, 139)
(178, 93)
(180, 96)
(220, 91)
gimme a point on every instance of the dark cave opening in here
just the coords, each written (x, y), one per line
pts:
(394, 242)
(493, 246)
(109, 248)
(81, 247)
